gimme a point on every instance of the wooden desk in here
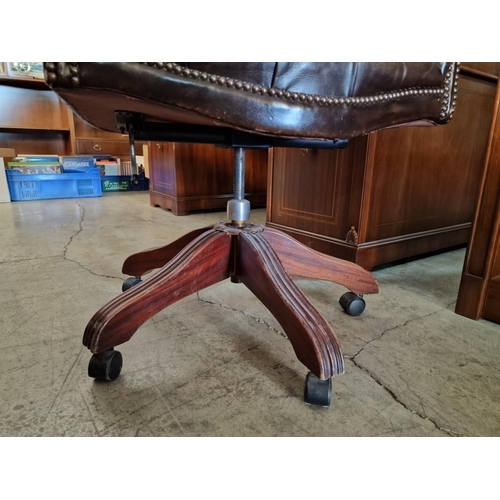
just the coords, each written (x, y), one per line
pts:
(394, 193)
(189, 177)
(479, 293)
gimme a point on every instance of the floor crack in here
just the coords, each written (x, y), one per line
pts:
(390, 330)
(255, 318)
(389, 391)
(395, 397)
(66, 247)
(80, 229)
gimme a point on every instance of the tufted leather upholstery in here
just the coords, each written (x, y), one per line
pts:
(335, 100)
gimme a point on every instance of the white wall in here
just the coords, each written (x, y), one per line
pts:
(4, 188)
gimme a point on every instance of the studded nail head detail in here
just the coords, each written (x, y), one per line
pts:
(50, 71)
(54, 71)
(448, 91)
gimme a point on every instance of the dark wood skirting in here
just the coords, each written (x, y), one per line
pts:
(369, 255)
(185, 205)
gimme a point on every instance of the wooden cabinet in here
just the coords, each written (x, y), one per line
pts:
(91, 140)
(92, 147)
(479, 292)
(189, 177)
(392, 194)
(33, 120)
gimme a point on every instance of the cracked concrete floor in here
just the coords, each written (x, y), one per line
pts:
(217, 363)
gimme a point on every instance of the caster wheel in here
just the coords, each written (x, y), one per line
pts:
(105, 365)
(352, 304)
(129, 283)
(135, 180)
(316, 391)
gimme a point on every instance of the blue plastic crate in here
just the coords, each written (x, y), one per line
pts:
(26, 187)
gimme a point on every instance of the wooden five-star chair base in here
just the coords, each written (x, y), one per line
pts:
(262, 258)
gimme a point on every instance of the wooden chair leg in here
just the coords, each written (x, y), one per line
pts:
(140, 263)
(301, 261)
(312, 338)
(203, 262)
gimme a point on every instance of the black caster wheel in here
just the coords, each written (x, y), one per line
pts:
(130, 282)
(316, 391)
(135, 180)
(105, 365)
(352, 304)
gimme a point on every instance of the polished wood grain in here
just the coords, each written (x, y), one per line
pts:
(312, 338)
(35, 142)
(190, 177)
(491, 310)
(91, 140)
(261, 258)
(484, 69)
(407, 191)
(141, 263)
(204, 262)
(28, 109)
(33, 120)
(83, 130)
(301, 261)
(309, 189)
(478, 293)
(22, 82)
(120, 149)
(427, 178)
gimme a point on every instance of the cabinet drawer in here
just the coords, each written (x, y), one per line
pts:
(115, 148)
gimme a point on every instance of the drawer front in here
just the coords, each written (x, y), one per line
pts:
(115, 148)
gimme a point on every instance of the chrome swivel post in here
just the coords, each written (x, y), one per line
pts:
(238, 209)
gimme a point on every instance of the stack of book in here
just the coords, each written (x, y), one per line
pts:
(77, 164)
(36, 164)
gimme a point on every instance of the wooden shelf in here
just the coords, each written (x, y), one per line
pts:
(25, 83)
(34, 120)
(34, 129)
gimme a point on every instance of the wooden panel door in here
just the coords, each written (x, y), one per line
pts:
(162, 168)
(427, 178)
(311, 189)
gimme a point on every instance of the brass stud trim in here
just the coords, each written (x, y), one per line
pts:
(448, 94)
(448, 91)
